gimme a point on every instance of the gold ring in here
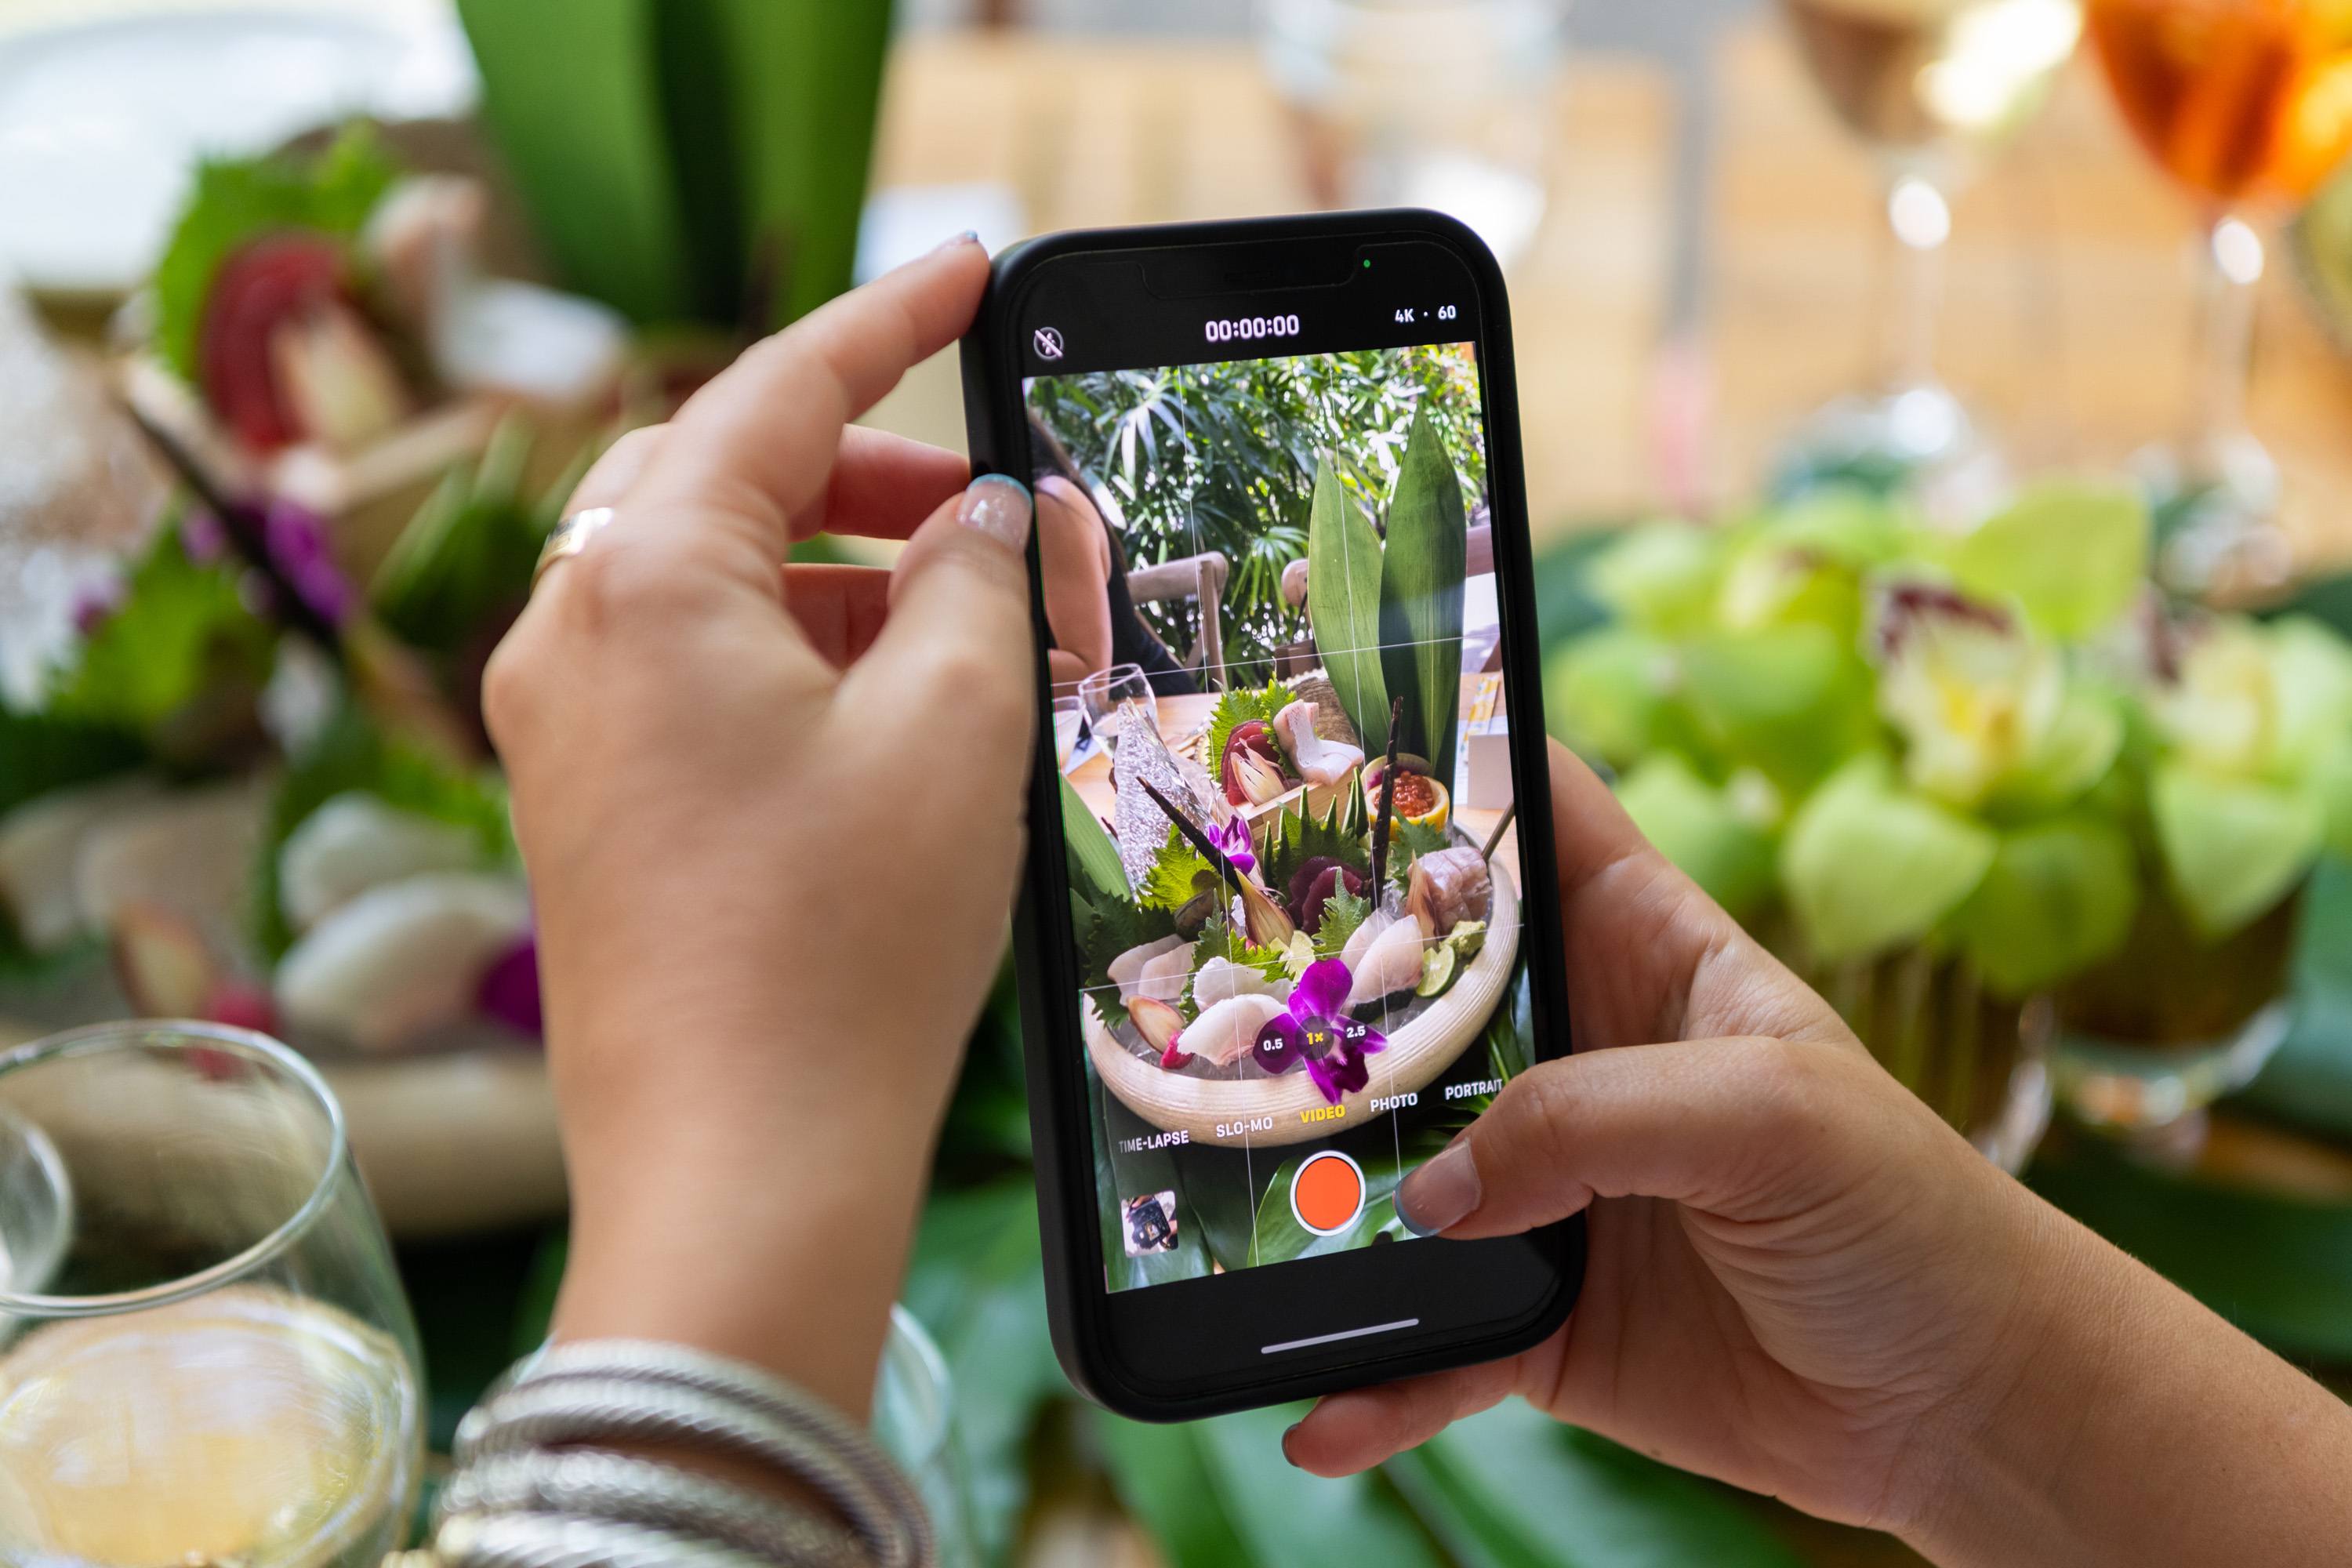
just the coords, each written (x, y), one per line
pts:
(568, 538)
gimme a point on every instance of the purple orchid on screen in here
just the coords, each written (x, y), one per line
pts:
(1234, 837)
(1316, 1029)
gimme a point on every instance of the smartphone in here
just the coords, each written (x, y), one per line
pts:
(1284, 930)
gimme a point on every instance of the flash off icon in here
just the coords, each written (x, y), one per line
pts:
(1049, 343)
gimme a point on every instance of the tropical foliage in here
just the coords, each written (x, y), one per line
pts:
(1224, 457)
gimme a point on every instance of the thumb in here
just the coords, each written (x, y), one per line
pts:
(955, 660)
(1743, 1128)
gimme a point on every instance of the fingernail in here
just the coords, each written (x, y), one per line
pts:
(1442, 1192)
(997, 506)
(968, 236)
(1288, 1433)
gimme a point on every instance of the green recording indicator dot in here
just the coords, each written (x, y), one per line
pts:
(1368, 261)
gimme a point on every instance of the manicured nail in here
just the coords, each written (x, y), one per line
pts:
(968, 236)
(1442, 1192)
(997, 506)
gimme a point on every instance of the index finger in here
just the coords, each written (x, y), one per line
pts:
(746, 463)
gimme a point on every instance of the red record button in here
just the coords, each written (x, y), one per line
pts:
(1327, 1193)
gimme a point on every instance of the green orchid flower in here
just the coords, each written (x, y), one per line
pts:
(1988, 714)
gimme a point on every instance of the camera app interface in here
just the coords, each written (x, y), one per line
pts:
(1295, 874)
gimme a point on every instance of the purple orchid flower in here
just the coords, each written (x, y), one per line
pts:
(1316, 1029)
(1234, 838)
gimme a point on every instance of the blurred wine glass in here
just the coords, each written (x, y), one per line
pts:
(1932, 88)
(205, 1354)
(1427, 103)
(1112, 698)
(2247, 105)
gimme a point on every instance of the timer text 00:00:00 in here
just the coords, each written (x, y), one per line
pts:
(1248, 327)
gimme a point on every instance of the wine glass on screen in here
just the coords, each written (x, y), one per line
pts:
(1932, 88)
(2247, 105)
(205, 1354)
(1069, 723)
(1112, 698)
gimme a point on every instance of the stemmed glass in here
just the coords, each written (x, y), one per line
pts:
(1069, 723)
(2247, 104)
(1113, 698)
(205, 1354)
(1932, 86)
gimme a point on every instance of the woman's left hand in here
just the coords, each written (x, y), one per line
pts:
(772, 818)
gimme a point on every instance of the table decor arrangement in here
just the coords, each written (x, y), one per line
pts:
(336, 323)
(2001, 801)
(254, 790)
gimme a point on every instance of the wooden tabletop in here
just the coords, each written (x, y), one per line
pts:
(2066, 318)
(1086, 132)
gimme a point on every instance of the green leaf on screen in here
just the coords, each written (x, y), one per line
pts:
(1421, 574)
(1343, 595)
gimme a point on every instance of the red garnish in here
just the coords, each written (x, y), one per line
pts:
(244, 1005)
(275, 279)
(1415, 796)
(1175, 1057)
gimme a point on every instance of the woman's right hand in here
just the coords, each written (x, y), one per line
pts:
(1801, 1281)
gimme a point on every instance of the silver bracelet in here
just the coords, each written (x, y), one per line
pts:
(601, 1391)
(630, 1490)
(547, 1541)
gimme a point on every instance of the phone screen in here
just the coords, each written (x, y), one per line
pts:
(1277, 654)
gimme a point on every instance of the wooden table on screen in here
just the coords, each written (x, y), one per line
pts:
(1181, 718)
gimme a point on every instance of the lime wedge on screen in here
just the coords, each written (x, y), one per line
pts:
(1436, 970)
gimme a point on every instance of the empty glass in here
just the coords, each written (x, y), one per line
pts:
(1932, 88)
(205, 1354)
(1112, 698)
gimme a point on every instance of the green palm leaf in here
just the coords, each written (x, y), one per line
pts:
(1421, 598)
(1343, 594)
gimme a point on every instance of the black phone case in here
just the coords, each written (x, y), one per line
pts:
(1059, 1116)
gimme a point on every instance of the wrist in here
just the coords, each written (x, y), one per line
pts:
(2017, 1426)
(792, 1265)
(775, 1233)
(2125, 1423)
